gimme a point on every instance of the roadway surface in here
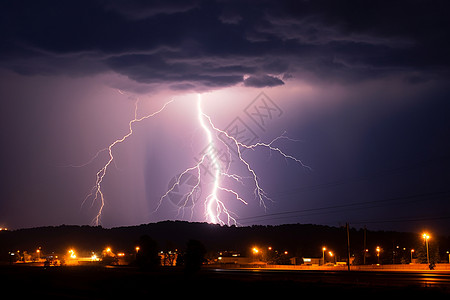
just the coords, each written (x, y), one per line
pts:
(438, 279)
(95, 282)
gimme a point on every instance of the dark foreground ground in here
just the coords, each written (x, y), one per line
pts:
(18, 282)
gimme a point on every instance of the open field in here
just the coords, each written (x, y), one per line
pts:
(107, 283)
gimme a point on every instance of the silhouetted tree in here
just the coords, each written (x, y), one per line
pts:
(147, 257)
(194, 256)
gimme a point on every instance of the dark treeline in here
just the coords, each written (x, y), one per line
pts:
(301, 240)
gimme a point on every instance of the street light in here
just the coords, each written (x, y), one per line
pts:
(412, 251)
(323, 255)
(426, 237)
(255, 251)
(378, 254)
(332, 255)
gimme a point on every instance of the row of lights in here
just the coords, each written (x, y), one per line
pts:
(72, 254)
(425, 236)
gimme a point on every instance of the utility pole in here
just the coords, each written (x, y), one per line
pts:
(365, 245)
(348, 246)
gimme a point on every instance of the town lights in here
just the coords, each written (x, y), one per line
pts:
(72, 254)
(94, 257)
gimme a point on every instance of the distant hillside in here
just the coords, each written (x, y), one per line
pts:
(298, 239)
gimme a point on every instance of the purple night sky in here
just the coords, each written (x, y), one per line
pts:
(361, 89)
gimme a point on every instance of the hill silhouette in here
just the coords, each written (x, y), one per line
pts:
(301, 240)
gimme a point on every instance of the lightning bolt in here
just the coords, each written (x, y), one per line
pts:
(216, 210)
(213, 206)
(96, 192)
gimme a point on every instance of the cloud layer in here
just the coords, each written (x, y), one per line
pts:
(205, 45)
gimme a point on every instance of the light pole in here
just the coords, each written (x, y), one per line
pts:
(332, 255)
(323, 255)
(255, 253)
(412, 251)
(378, 254)
(426, 237)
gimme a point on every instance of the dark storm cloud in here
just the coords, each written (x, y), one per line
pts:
(141, 9)
(262, 81)
(205, 44)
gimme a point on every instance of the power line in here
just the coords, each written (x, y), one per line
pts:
(290, 214)
(418, 219)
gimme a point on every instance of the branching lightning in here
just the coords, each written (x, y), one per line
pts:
(96, 192)
(215, 209)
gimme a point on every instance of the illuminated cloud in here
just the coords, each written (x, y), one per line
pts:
(203, 45)
(363, 85)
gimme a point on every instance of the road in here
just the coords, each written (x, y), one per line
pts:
(365, 278)
(95, 282)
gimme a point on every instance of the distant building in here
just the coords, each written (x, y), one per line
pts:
(238, 260)
(312, 261)
(232, 257)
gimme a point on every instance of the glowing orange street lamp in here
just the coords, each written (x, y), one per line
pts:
(332, 255)
(323, 255)
(378, 253)
(426, 237)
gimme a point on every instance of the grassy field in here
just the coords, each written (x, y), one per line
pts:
(128, 283)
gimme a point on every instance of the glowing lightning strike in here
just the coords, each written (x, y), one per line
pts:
(259, 192)
(96, 191)
(213, 206)
(215, 209)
